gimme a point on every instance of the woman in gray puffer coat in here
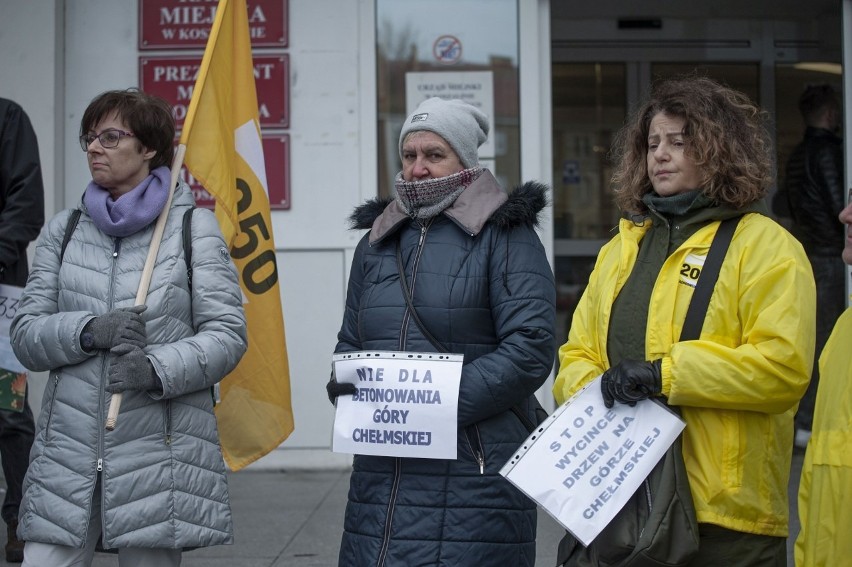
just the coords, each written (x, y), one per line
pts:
(482, 286)
(156, 483)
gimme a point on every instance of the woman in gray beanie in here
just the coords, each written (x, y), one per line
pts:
(481, 284)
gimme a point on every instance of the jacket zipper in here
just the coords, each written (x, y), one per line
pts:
(52, 405)
(647, 493)
(477, 452)
(101, 410)
(418, 253)
(397, 473)
(99, 466)
(168, 424)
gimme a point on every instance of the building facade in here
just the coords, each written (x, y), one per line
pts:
(558, 78)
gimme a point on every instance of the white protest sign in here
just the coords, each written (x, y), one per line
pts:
(406, 404)
(585, 461)
(10, 295)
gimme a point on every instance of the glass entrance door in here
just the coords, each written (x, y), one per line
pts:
(600, 73)
(589, 106)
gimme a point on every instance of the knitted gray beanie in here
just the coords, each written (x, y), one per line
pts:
(462, 125)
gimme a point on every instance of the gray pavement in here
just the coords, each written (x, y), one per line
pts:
(295, 518)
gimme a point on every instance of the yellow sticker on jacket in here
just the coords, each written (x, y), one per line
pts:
(691, 269)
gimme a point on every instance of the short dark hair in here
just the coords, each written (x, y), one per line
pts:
(725, 134)
(816, 98)
(149, 117)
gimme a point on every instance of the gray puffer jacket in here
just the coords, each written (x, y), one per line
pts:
(162, 474)
(483, 287)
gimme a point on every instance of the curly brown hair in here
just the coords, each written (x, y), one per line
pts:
(725, 136)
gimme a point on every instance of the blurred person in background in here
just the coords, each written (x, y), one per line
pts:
(815, 196)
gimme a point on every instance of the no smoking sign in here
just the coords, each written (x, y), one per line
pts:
(447, 49)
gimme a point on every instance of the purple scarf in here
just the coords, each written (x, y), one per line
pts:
(132, 211)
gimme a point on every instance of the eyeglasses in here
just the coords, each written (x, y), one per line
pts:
(109, 138)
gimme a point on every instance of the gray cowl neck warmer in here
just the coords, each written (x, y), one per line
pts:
(425, 199)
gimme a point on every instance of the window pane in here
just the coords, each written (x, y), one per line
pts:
(589, 106)
(588, 109)
(744, 77)
(459, 37)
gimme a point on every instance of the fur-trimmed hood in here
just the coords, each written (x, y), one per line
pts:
(484, 201)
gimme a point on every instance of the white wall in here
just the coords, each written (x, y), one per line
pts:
(31, 75)
(327, 159)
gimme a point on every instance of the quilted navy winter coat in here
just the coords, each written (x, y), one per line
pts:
(163, 480)
(482, 285)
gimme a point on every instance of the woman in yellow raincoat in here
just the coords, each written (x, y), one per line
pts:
(695, 154)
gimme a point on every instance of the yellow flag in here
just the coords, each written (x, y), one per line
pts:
(224, 153)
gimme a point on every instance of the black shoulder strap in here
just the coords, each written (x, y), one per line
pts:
(187, 244)
(73, 219)
(406, 293)
(697, 309)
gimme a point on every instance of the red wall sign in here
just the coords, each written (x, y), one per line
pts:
(185, 24)
(276, 155)
(173, 78)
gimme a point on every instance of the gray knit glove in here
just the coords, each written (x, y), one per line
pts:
(130, 369)
(119, 326)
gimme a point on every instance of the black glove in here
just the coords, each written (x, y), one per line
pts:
(119, 326)
(130, 369)
(630, 381)
(335, 388)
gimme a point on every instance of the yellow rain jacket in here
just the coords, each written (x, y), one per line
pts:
(825, 491)
(738, 386)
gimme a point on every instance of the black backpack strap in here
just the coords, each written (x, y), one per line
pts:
(73, 219)
(697, 309)
(187, 256)
(187, 244)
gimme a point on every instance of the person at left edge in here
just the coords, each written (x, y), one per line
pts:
(483, 287)
(156, 484)
(21, 218)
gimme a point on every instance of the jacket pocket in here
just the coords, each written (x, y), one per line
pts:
(474, 441)
(55, 381)
(167, 421)
(732, 449)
